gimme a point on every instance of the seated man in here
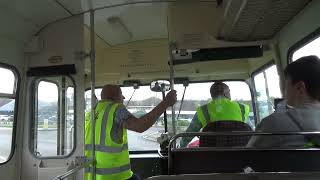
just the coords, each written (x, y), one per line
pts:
(221, 108)
(302, 84)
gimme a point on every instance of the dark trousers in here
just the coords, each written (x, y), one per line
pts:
(134, 177)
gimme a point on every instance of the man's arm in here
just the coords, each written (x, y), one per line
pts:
(145, 122)
(271, 123)
(194, 126)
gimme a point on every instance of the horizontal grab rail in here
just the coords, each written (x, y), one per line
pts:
(73, 171)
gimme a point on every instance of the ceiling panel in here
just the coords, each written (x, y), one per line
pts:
(29, 16)
(41, 12)
(75, 7)
(261, 20)
(126, 24)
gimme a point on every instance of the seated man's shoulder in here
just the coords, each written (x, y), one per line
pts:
(275, 121)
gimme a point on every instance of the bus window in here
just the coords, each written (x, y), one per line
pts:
(267, 89)
(198, 94)
(53, 124)
(143, 101)
(8, 82)
(311, 48)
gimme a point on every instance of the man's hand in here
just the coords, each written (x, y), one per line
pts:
(146, 121)
(171, 98)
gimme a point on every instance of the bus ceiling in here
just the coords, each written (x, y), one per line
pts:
(134, 38)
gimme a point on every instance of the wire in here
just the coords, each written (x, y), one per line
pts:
(184, 92)
(131, 97)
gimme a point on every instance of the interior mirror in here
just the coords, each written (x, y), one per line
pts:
(134, 83)
(160, 86)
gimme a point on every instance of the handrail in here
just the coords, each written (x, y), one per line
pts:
(237, 133)
(73, 171)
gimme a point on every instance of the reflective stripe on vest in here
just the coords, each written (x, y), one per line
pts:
(105, 171)
(112, 159)
(108, 149)
(222, 109)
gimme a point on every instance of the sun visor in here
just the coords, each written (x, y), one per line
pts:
(67, 69)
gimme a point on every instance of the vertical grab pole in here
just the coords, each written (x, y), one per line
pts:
(93, 84)
(171, 47)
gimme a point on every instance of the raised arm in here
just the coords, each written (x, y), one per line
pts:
(145, 122)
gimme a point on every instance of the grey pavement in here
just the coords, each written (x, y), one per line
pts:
(47, 141)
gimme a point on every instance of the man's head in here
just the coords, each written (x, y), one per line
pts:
(112, 92)
(220, 89)
(302, 81)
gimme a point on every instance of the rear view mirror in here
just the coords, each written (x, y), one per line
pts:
(160, 86)
(134, 83)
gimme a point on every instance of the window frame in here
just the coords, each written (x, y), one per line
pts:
(301, 43)
(15, 96)
(34, 87)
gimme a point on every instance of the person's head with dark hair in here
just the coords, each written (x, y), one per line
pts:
(220, 89)
(112, 92)
(302, 81)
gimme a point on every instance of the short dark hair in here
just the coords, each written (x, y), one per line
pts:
(218, 89)
(307, 70)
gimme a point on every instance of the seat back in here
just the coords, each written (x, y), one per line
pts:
(211, 160)
(223, 140)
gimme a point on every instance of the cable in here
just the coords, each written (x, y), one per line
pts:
(131, 97)
(184, 92)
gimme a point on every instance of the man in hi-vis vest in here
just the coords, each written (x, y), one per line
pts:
(220, 108)
(112, 121)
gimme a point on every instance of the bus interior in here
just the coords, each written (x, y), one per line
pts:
(55, 53)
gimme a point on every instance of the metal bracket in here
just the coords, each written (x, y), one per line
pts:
(81, 55)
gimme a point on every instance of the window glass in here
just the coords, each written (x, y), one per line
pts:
(69, 119)
(144, 100)
(7, 81)
(54, 117)
(267, 89)
(311, 48)
(198, 94)
(7, 107)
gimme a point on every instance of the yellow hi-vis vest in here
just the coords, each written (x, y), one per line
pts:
(222, 109)
(112, 159)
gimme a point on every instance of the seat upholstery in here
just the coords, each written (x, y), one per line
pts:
(225, 141)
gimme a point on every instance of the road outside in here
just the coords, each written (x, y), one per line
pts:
(47, 141)
(5, 143)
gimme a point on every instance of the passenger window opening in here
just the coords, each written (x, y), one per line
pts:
(311, 48)
(53, 124)
(8, 80)
(267, 90)
(197, 94)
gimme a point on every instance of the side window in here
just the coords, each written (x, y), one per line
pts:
(267, 89)
(8, 90)
(53, 125)
(311, 48)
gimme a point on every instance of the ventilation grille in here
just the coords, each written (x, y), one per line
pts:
(262, 19)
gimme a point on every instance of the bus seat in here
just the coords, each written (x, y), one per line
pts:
(242, 176)
(211, 160)
(225, 141)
